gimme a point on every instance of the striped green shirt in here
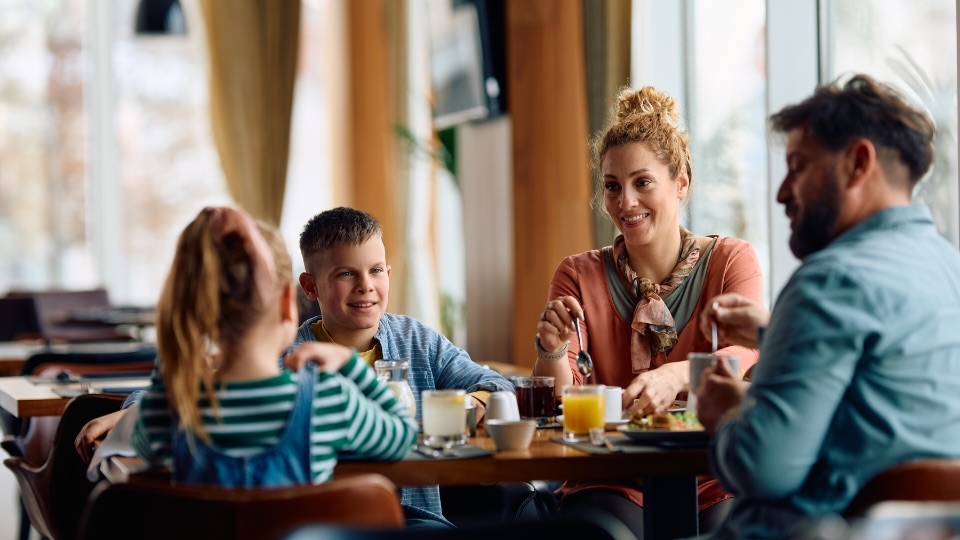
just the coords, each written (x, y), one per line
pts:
(352, 412)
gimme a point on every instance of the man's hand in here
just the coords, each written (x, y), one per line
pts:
(93, 432)
(328, 357)
(738, 318)
(720, 393)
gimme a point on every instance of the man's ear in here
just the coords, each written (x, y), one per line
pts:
(309, 286)
(388, 270)
(860, 160)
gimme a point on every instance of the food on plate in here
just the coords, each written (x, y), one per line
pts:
(676, 421)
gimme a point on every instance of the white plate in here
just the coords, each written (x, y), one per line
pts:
(609, 426)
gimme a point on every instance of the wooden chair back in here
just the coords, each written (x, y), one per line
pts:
(919, 480)
(56, 492)
(156, 509)
(18, 319)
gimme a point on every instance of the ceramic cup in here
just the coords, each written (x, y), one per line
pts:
(502, 405)
(612, 404)
(699, 362)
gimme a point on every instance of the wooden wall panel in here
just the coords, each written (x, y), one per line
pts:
(547, 100)
(371, 169)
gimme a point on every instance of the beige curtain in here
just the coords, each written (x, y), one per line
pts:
(606, 40)
(252, 47)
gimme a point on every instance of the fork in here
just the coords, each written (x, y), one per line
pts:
(86, 388)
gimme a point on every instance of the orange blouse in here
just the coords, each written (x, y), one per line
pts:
(732, 267)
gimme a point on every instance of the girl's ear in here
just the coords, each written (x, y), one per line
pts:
(288, 304)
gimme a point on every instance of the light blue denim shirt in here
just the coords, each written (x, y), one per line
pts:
(859, 370)
(435, 362)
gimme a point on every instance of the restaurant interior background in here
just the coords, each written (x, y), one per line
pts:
(107, 151)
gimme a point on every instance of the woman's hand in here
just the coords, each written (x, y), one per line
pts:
(738, 318)
(328, 357)
(654, 391)
(720, 392)
(556, 325)
(93, 432)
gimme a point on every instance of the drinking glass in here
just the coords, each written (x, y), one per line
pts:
(536, 398)
(444, 415)
(583, 408)
(394, 373)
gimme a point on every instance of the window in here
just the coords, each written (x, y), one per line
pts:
(105, 144)
(730, 64)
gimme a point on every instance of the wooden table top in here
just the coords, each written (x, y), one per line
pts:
(669, 474)
(544, 460)
(23, 397)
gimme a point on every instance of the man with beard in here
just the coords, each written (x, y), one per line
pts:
(859, 365)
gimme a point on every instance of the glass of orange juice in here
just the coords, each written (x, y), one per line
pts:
(582, 411)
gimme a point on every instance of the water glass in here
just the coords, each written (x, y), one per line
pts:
(444, 415)
(583, 408)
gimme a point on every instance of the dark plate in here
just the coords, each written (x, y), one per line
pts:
(664, 436)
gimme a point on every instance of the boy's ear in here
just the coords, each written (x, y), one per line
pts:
(388, 270)
(309, 286)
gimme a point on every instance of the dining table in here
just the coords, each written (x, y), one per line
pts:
(28, 396)
(668, 472)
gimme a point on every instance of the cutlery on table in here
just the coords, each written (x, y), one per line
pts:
(584, 362)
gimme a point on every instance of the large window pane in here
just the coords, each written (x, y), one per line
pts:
(912, 45)
(727, 121)
(168, 167)
(43, 189)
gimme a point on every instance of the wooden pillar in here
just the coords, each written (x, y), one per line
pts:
(547, 100)
(371, 169)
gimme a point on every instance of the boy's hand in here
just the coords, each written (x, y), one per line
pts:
(329, 357)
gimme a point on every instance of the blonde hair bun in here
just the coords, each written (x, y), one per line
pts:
(648, 101)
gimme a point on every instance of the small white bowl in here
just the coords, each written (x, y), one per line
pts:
(511, 434)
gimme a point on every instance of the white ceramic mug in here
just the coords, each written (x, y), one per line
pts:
(502, 405)
(612, 404)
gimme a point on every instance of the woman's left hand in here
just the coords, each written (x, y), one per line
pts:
(654, 391)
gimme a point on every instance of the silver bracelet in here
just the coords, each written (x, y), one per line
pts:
(552, 356)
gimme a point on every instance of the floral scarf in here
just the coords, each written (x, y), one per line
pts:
(653, 326)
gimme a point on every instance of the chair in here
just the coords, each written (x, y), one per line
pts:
(919, 480)
(593, 527)
(139, 509)
(504, 502)
(18, 319)
(52, 311)
(32, 439)
(54, 493)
